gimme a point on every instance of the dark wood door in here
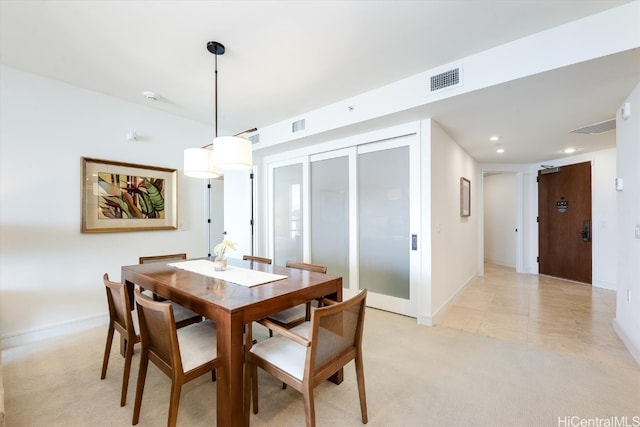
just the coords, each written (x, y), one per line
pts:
(564, 215)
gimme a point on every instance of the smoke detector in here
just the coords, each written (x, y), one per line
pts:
(151, 96)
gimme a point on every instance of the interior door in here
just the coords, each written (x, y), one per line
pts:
(355, 210)
(288, 211)
(387, 200)
(237, 212)
(331, 208)
(564, 229)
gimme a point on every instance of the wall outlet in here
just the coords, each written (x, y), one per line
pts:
(637, 231)
(628, 295)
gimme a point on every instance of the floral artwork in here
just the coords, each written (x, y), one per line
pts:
(130, 197)
(119, 196)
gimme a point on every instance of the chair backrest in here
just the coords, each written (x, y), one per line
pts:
(307, 266)
(161, 258)
(335, 335)
(158, 333)
(119, 307)
(256, 258)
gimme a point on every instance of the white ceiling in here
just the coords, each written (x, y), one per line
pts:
(285, 58)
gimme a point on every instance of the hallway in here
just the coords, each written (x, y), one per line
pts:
(544, 312)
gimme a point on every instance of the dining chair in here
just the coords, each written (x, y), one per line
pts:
(185, 316)
(257, 259)
(182, 354)
(121, 321)
(125, 321)
(310, 353)
(294, 316)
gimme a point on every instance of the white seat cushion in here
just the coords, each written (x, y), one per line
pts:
(290, 314)
(198, 344)
(284, 353)
(181, 313)
(303, 329)
(136, 321)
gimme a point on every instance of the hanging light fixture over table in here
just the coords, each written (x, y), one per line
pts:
(226, 152)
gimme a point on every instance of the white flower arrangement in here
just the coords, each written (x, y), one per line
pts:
(221, 248)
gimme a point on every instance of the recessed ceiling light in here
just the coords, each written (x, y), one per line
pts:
(500, 150)
(569, 150)
(494, 138)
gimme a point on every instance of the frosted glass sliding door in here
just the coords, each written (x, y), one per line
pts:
(287, 213)
(330, 215)
(383, 222)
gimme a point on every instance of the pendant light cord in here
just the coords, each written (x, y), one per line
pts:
(215, 135)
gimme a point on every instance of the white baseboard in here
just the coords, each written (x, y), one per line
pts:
(626, 340)
(604, 285)
(425, 320)
(435, 318)
(66, 328)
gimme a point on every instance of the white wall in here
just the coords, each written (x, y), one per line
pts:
(500, 218)
(51, 273)
(627, 320)
(454, 239)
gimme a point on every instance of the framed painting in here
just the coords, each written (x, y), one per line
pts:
(465, 197)
(118, 196)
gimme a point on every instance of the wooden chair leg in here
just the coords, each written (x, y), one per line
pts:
(309, 409)
(361, 389)
(128, 357)
(142, 375)
(174, 403)
(248, 392)
(254, 387)
(107, 351)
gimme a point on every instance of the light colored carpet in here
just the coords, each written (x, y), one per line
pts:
(415, 376)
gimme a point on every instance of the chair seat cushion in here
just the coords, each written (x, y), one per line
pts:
(284, 353)
(181, 313)
(290, 315)
(136, 322)
(197, 343)
(303, 329)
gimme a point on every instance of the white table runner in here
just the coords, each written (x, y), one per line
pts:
(237, 275)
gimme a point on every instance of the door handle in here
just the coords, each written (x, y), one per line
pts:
(586, 231)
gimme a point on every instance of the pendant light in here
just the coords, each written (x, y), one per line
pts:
(226, 152)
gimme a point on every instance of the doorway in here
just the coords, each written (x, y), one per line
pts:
(564, 222)
(500, 219)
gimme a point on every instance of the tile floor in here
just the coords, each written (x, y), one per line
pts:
(541, 311)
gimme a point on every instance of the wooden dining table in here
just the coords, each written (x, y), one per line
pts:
(233, 306)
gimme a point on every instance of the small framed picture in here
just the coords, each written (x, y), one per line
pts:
(465, 197)
(119, 196)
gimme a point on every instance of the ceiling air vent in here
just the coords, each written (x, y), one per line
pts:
(298, 126)
(597, 128)
(445, 80)
(254, 138)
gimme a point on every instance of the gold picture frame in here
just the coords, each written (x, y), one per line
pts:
(465, 197)
(119, 196)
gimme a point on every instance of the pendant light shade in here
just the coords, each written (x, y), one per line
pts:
(232, 153)
(228, 152)
(198, 163)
